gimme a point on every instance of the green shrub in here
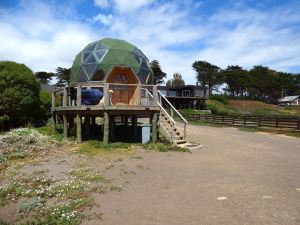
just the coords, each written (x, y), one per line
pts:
(19, 93)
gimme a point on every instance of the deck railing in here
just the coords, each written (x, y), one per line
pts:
(113, 94)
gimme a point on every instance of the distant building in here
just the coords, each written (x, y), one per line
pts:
(185, 97)
(289, 100)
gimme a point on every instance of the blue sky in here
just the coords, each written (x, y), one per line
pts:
(48, 34)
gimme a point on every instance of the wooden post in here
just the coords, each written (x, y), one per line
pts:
(135, 127)
(78, 100)
(93, 120)
(106, 128)
(245, 118)
(65, 97)
(106, 94)
(298, 124)
(276, 122)
(53, 99)
(54, 123)
(155, 95)
(87, 128)
(154, 128)
(138, 95)
(65, 125)
(78, 127)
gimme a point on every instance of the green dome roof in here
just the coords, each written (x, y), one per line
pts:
(97, 59)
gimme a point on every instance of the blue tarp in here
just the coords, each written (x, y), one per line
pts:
(91, 96)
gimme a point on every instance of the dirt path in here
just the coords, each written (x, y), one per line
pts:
(236, 178)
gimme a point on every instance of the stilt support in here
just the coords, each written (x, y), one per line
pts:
(78, 128)
(154, 128)
(106, 128)
(65, 125)
(54, 123)
(135, 127)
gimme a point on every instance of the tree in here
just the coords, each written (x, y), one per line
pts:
(207, 74)
(19, 93)
(63, 76)
(237, 80)
(176, 81)
(158, 74)
(44, 77)
(45, 106)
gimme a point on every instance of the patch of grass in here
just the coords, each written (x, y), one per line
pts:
(194, 112)
(87, 174)
(99, 148)
(66, 213)
(164, 147)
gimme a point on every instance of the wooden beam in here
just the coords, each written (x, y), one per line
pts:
(79, 128)
(154, 128)
(106, 128)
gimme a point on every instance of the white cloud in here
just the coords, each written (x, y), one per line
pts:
(101, 3)
(104, 19)
(39, 36)
(125, 6)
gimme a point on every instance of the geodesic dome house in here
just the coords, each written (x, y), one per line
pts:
(102, 60)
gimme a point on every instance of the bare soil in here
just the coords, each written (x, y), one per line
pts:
(237, 178)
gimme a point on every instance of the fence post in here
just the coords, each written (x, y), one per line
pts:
(276, 122)
(259, 121)
(245, 118)
(298, 125)
(233, 119)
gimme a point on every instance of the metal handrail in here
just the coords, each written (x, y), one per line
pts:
(178, 113)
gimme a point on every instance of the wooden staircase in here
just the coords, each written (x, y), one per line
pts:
(168, 127)
(170, 130)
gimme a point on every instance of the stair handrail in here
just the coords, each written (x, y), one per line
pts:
(169, 103)
(162, 108)
(167, 114)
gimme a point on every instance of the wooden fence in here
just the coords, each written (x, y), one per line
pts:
(249, 121)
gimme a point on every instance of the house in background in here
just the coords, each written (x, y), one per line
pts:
(185, 97)
(289, 100)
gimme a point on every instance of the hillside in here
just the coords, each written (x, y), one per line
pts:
(243, 107)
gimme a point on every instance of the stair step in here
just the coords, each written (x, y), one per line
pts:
(180, 141)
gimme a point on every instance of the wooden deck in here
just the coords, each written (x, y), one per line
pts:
(67, 107)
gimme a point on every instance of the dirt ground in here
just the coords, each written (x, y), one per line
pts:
(237, 177)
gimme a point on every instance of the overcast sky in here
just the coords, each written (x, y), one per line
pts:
(47, 34)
